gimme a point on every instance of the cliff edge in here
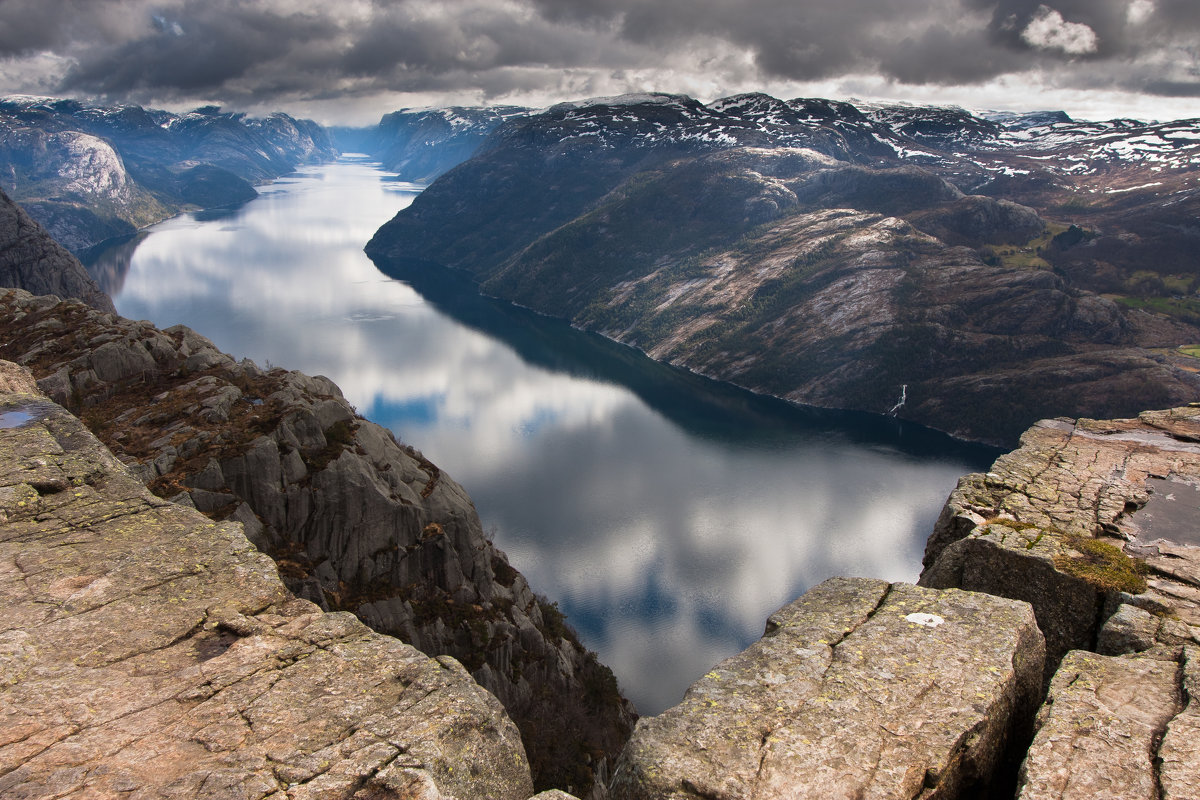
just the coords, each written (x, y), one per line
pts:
(1091, 521)
(1085, 538)
(1094, 522)
(356, 521)
(147, 651)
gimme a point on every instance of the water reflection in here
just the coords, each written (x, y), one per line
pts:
(108, 262)
(667, 514)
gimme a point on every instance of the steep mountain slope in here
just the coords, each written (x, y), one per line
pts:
(30, 259)
(89, 173)
(835, 255)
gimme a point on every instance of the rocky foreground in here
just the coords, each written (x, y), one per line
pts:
(861, 689)
(149, 651)
(354, 520)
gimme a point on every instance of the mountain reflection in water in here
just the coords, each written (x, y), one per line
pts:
(668, 515)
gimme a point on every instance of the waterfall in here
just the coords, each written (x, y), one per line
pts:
(903, 398)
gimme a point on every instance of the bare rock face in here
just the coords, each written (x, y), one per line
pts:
(15, 379)
(857, 689)
(1101, 731)
(89, 166)
(356, 521)
(147, 651)
(1093, 523)
(31, 260)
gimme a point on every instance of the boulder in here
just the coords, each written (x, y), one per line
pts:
(147, 651)
(1100, 734)
(858, 689)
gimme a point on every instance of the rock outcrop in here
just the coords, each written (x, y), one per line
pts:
(1093, 522)
(30, 259)
(1087, 535)
(857, 689)
(147, 651)
(355, 521)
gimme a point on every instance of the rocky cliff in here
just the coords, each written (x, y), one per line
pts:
(31, 260)
(1091, 521)
(356, 521)
(147, 651)
(857, 689)
(1094, 523)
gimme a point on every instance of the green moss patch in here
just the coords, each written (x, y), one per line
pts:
(1102, 564)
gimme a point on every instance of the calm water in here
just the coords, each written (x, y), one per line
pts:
(668, 515)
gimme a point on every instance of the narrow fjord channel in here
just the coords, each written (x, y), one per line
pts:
(666, 514)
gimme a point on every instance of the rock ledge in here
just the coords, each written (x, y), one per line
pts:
(149, 652)
(858, 689)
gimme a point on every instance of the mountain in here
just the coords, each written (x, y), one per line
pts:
(89, 173)
(421, 144)
(990, 272)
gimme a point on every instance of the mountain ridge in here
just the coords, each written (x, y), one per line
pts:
(612, 215)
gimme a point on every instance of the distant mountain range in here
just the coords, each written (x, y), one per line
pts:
(89, 173)
(421, 144)
(1001, 267)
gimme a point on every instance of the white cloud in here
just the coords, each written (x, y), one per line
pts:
(1049, 31)
(1139, 11)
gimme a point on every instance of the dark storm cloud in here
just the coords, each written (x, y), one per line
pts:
(251, 50)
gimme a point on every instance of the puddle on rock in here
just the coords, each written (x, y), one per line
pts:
(1172, 513)
(14, 419)
(21, 415)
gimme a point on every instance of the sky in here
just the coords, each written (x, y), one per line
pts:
(350, 61)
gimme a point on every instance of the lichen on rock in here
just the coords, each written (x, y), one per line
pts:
(847, 696)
